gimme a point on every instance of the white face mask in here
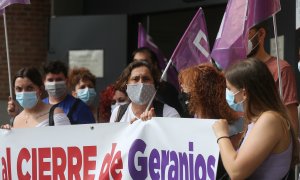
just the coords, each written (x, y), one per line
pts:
(140, 93)
(250, 44)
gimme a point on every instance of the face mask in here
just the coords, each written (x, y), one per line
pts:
(27, 99)
(250, 44)
(87, 95)
(56, 89)
(184, 98)
(230, 100)
(299, 66)
(140, 93)
(113, 106)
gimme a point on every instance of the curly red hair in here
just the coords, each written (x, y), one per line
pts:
(207, 88)
(105, 101)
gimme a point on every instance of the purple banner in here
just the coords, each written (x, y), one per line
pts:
(145, 40)
(193, 47)
(5, 3)
(240, 15)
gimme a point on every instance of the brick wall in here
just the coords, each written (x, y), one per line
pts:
(28, 27)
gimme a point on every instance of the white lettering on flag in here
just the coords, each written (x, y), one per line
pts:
(201, 35)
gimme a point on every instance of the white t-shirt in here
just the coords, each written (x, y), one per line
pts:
(59, 119)
(168, 111)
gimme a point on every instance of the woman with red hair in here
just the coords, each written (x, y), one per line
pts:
(204, 88)
(109, 99)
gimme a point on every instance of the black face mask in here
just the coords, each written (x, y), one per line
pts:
(184, 99)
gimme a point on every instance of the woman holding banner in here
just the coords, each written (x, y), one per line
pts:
(270, 145)
(140, 81)
(29, 87)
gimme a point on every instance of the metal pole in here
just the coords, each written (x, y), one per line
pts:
(161, 79)
(277, 55)
(7, 54)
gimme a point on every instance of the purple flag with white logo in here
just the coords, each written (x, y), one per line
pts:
(232, 40)
(145, 40)
(5, 3)
(193, 47)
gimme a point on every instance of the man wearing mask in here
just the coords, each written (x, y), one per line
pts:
(257, 35)
(55, 80)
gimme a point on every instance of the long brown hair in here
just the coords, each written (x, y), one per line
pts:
(207, 88)
(262, 95)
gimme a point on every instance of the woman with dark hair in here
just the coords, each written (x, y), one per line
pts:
(270, 145)
(167, 91)
(29, 87)
(140, 81)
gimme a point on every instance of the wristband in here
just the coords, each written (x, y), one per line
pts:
(222, 138)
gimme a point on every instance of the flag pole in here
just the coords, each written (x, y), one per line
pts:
(161, 79)
(7, 54)
(277, 55)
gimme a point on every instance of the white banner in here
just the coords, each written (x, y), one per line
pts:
(162, 148)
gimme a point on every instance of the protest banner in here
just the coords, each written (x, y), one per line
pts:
(162, 148)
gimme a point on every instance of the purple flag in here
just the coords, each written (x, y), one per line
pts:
(193, 47)
(259, 10)
(232, 40)
(5, 3)
(145, 40)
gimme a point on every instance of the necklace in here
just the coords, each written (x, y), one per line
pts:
(34, 116)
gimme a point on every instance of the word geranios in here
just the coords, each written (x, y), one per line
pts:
(167, 164)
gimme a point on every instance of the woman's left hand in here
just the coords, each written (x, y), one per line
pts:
(220, 128)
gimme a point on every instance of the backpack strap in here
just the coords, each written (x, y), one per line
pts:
(73, 109)
(51, 114)
(121, 111)
(158, 108)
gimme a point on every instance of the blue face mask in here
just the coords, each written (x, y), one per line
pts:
(87, 95)
(27, 99)
(230, 100)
